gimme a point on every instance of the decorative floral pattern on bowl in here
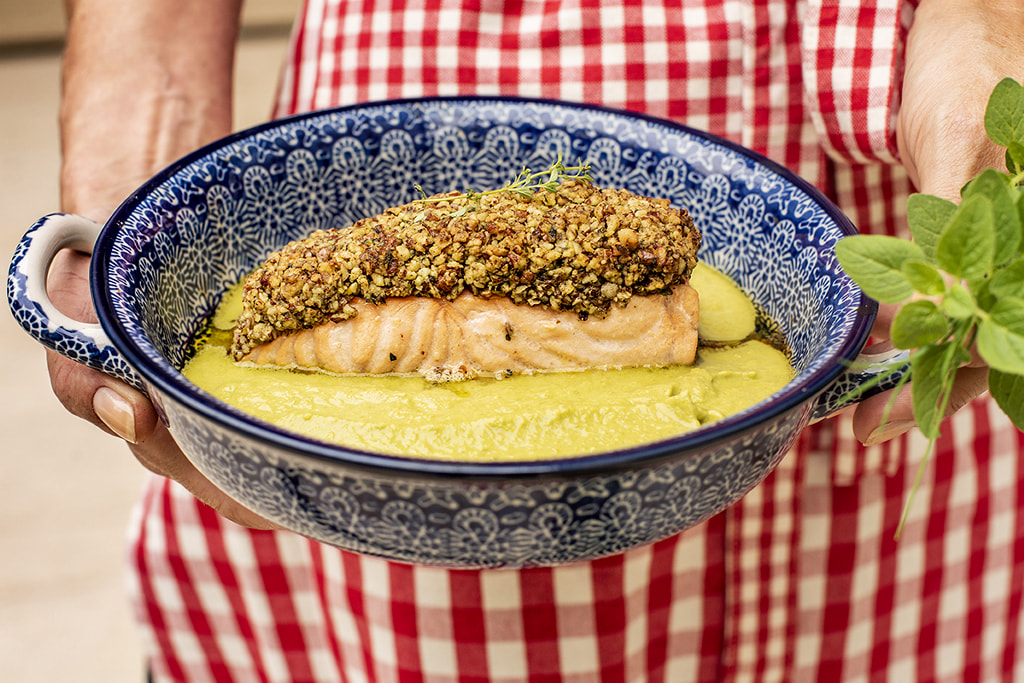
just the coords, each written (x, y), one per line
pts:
(168, 254)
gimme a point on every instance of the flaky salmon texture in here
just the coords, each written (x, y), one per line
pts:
(462, 286)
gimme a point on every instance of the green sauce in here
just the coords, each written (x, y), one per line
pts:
(544, 415)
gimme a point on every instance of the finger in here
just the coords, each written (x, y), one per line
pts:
(160, 454)
(67, 285)
(120, 409)
(105, 402)
(102, 400)
(881, 418)
(127, 413)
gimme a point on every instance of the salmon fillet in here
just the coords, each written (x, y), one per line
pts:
(472, 336)
(456, 285)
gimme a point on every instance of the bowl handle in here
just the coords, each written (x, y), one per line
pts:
(85, 343)
(866, 369)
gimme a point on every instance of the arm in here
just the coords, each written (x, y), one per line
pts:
(144, 82)
(956, 52)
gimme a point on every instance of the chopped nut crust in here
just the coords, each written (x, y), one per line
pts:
(581, 249)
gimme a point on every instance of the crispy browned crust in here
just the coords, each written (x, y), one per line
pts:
(581, 249)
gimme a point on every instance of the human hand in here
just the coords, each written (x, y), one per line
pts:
(956, 53)
(886, 415)
(144, 82)
(120, 409)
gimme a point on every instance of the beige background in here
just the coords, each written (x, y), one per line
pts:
(66, 489)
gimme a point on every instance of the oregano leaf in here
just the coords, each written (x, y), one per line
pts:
(1015, 157)
(1008, 281)
(1005, 217)
(918, 324)
(1001, 336)
(926, 389)
(924, 278)
(927, 216)
(1004, 114)
(959, 303)
(966, 247)
(984, 298)
(875, 263)
(1020, 212)
(932, 367)
(1008, 391)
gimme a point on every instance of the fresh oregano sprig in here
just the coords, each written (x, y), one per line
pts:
(960, 281)
(525, 184)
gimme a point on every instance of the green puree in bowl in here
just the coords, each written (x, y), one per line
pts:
(543, 415)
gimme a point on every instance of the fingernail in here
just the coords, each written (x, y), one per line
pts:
(116, 412)
(889, 430)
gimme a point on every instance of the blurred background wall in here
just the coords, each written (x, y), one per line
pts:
(67, 489)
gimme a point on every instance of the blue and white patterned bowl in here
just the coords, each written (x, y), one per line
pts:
(166, 256)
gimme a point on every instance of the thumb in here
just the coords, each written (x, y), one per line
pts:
(885, 416)
(98, 398)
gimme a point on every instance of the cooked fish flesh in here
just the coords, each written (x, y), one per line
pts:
(472, 336)
(488, 283)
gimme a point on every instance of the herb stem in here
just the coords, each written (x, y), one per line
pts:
(525, 182)
(913, 489)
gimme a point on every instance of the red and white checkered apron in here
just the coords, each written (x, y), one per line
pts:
(800, 581)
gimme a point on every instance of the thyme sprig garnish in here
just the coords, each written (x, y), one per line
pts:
(959, 283)
(525, 184)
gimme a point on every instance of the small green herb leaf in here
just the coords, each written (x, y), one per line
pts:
(1008, 281)
(1008, 391)
(966, 247)
(927, 216)
(932, 369)
(1001, 336)
(959, 303)
(918, 324)
(984, 298)
(1004, 115)
(1020, 205)
(1006, 220)
(924, 278)
(875, 262)
(1015, 157)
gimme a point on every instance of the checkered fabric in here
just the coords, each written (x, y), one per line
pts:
(800, 581)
